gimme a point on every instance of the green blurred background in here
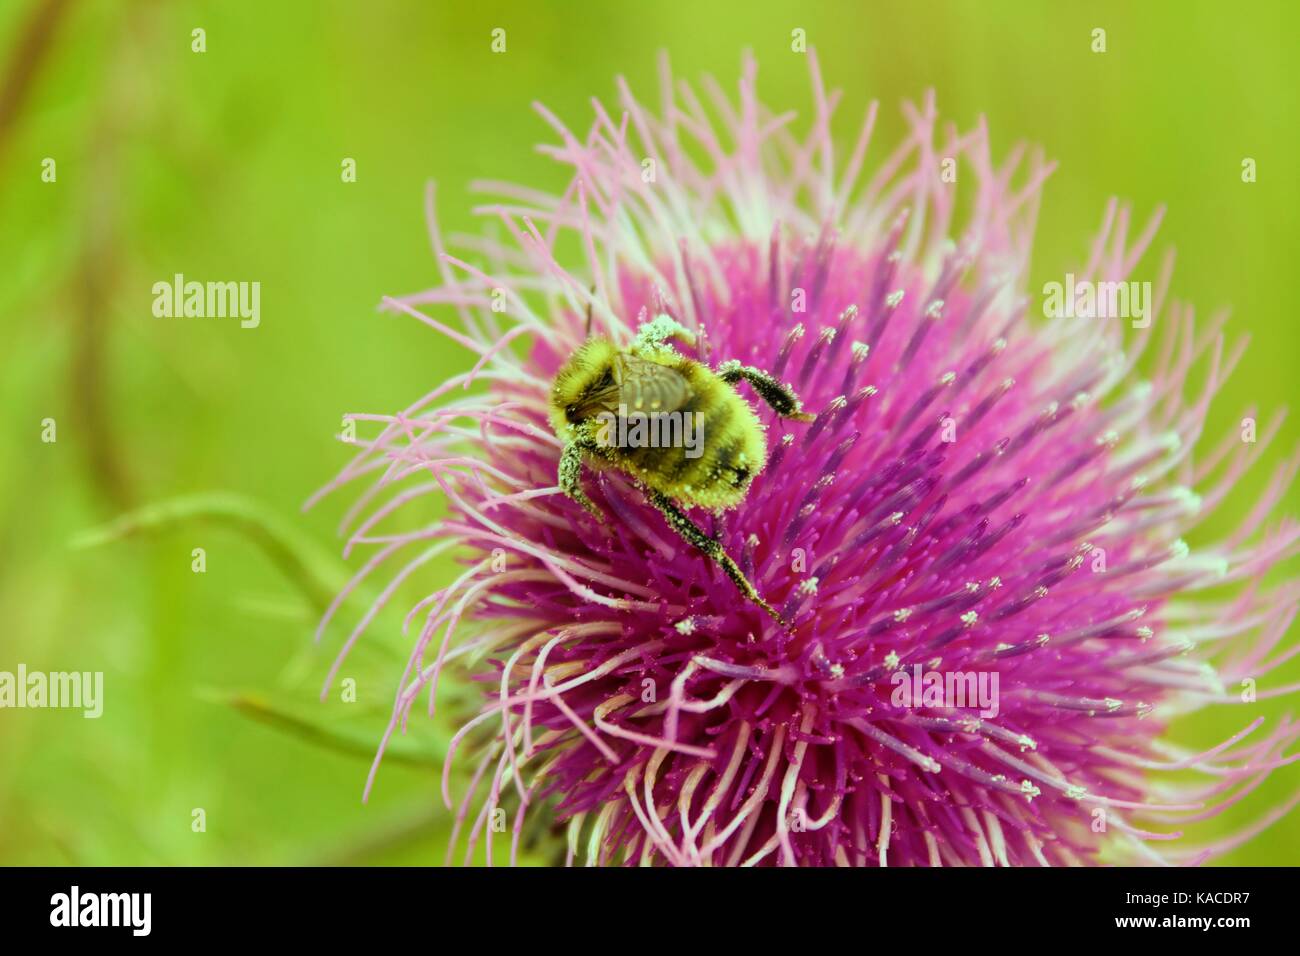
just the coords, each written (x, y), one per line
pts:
(226, 165)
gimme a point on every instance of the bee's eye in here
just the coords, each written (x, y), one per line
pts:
(571, 413)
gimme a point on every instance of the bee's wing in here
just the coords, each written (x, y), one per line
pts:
(602, 400)
(646, 386)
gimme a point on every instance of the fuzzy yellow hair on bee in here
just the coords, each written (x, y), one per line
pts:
(674, 425)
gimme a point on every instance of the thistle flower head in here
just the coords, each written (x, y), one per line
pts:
(979, 543)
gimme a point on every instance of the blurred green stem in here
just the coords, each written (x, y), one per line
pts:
(315, 572)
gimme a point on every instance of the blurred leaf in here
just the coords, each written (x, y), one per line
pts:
(308, 566)
(356, 738)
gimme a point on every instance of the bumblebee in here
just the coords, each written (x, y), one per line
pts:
(613, 407)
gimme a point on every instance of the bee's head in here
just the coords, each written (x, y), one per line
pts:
(589, 371)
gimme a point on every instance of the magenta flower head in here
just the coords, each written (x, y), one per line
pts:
(972, 609)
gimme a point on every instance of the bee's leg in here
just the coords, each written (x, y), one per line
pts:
(692, 534)
(571, 467)
(656, 333)
(782, 400)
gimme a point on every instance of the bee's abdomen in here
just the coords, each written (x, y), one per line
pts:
(729, 450)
